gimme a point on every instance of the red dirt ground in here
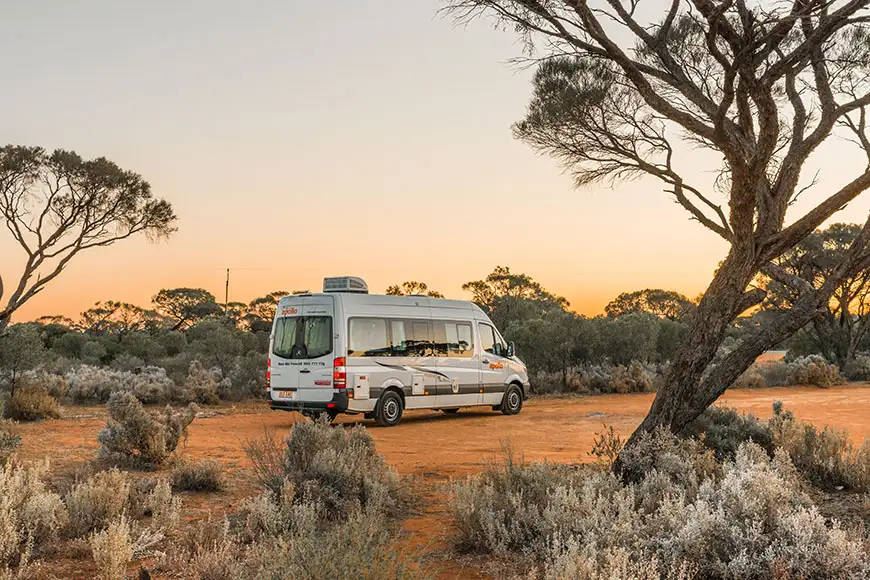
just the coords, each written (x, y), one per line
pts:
(428, 445)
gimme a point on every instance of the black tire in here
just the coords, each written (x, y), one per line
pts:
(512, 402)
(450, 411)
(388, 411)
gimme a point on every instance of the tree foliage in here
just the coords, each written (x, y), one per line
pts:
(21, 349)
(112, 317)
(186, 306)
(506, 296)
(413, 288)
(261, 311)
(57, 205)
(662, 303)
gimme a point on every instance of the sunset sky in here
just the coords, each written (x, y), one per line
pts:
(298, 140)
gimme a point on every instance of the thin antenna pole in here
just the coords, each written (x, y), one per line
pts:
(227, 295)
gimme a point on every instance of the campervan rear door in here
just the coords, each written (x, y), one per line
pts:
(303, 349)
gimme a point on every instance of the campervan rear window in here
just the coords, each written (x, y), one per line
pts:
(303, 337)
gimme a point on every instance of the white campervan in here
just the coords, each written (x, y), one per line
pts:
(347, 351)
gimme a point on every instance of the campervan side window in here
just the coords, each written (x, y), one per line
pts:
(490, 341)
(453, 339)
(487, 338)
(368, 337)
(411, 338)
(394, 337)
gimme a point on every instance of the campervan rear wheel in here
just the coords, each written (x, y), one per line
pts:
(388, 411)
(512, 403)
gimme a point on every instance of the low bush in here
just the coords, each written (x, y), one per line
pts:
(723, 430)
(858, 369)
(10, 441)
(98, 500)
(165, 508)
(570, 561)
(149, 384)
(197, 476)
(88, 383)
(826, 457)
(248, 378)
(636, 377)
(133, 436)
(31, 403)
(517, 508)
(750, 379)
(606, 446)
(337, 468)
(202, 384)
(53, 384)
(307, 545)
(777, 373)
(325, 514)
(29, 514)
(813, 370)
(747, 518)
(113, 549)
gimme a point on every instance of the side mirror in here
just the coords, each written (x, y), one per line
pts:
(511, 349)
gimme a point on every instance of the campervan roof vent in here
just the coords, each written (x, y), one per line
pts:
(345, 284)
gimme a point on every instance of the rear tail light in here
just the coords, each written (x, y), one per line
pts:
(268, 374)
(339, 373)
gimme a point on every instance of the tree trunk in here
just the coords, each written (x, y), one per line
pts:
(5, 319)
(693, 382)
(723, 301)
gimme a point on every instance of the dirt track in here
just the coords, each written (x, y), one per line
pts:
(434, 447)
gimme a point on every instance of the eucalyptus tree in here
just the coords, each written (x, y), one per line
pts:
(619, 95)
(57, 205)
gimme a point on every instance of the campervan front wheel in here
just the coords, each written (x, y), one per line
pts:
(512, 403)
(388, 411)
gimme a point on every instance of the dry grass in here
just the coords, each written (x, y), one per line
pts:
(31, 403)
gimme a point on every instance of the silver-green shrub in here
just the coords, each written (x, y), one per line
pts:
(747, 519)
(133, 436)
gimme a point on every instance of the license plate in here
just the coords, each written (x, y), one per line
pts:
(284, 395)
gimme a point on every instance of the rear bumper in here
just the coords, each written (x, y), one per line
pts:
(338, 404)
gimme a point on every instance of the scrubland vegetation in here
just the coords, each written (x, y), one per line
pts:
(732, 499)
(328, 508)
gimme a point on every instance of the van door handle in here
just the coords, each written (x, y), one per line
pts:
(484, 361)
(305, 371)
